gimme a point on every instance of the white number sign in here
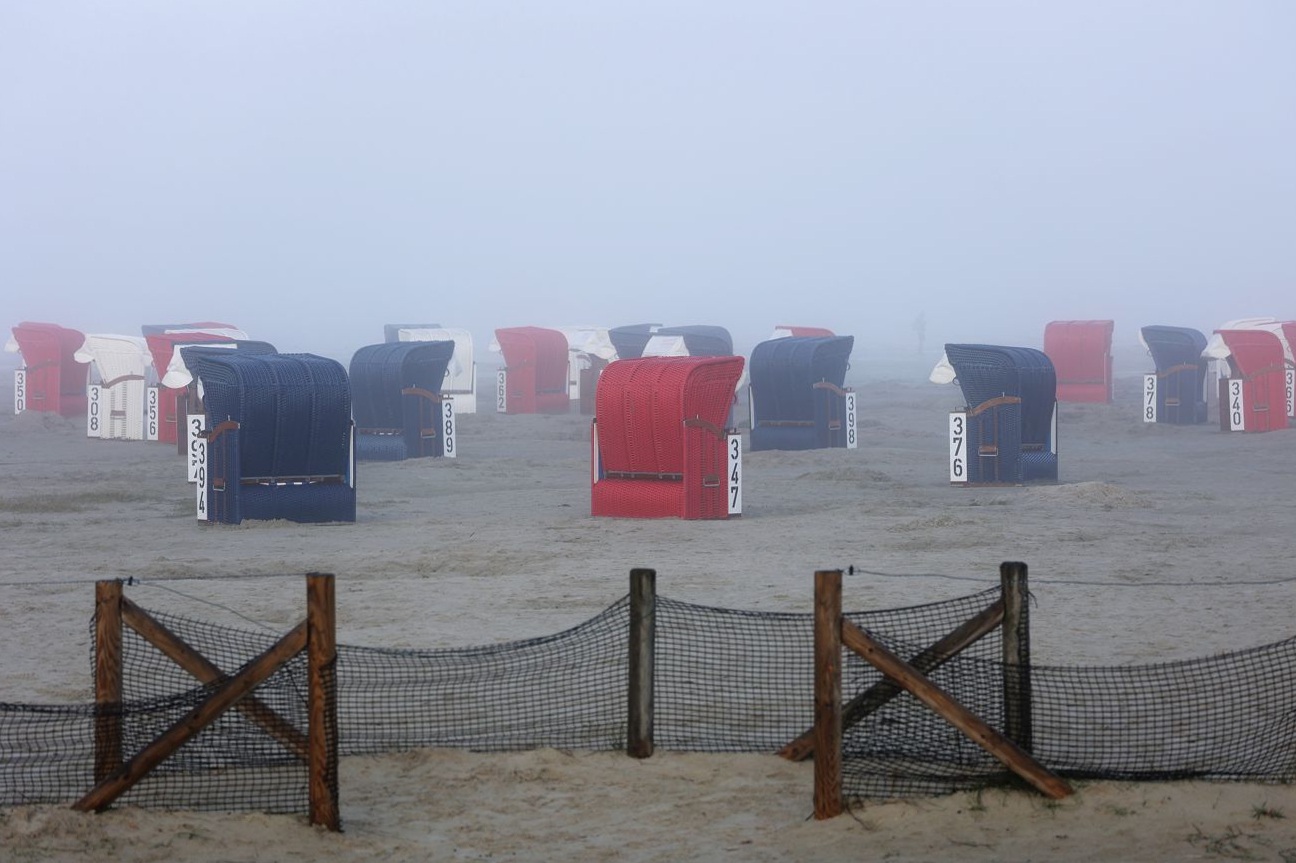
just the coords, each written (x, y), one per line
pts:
(501, 391)
(197, 425)
(1236, 405)
(1291, 392)
(852, 438)
(20, 390)
(94, 409)
(733, 449)
(351, 470)
(450, 442)
(596, 458)
(151, 413)
(199, 451)
(958, 446)
(1149, 398)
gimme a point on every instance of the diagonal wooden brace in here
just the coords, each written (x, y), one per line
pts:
(917, 684)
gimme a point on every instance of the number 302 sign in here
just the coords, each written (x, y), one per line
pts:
(958, 446)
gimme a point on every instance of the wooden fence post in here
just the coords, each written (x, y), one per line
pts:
(827, 694)
(643, 640)
(322, 737)
(1016, 653)
(108, 678)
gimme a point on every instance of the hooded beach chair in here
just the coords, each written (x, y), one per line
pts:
(1009, 433)
(534, 377)
(1179, 392)
(163, 347)
(391, 332)
(691, 341)
(660, 449)
(120, 368)
(589, 350)
(797, 395)
(783, 331)
(397, 402)
(1081, 355)
(460, 383)
(1253, 397)
(147, 330)
(279, 440)
(51, 378)
(631, 339)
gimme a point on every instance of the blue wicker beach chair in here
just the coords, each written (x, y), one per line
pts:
(279, 437)
(396, 399)
(1181, 373)
(702, 341)
(1011, 396)
(798, 400)
(630, 340)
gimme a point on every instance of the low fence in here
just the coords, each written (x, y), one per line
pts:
(651, 672)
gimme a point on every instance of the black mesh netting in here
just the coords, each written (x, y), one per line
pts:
(726, 681)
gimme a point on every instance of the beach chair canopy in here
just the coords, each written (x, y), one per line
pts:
(593, 341)
(1021, 434)
(783, 331)
(1256, 357)
(115, 357)
(155, 329)
(1181, 372)
(692, 341)
(1081, 355)
(163, 348)
(785, 370)
(536, 361)
(379, 374)
(56, 380)
(1217, 347)
(631, 340)
(391, 332)
(179, 372)
(660, 424)
(293, 411)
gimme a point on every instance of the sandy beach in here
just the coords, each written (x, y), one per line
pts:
(499, 545)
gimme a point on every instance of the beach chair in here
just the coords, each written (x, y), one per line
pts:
(396, 400)
(1180, 382)
(1010, 413)
(534, 377)
(279, 440)
(1253, 396)
(797, 396)
(589, 350)
(51, 379)
(172, 414)
(1081, 356)
(630, 340)
(691, 341)
(460, 383)
(391, 332)
(783, 331)
(120, 366)
(659, 446)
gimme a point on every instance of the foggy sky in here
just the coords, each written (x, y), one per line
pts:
(311, 170)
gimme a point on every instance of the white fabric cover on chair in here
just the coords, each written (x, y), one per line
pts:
(122, 365)
(461, 374)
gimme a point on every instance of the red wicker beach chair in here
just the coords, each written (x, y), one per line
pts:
(659, 445)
